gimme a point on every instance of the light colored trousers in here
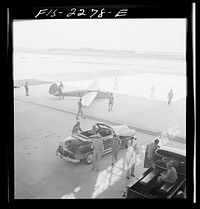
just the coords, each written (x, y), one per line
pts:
(96, 159)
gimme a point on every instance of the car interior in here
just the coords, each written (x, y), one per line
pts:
(146, 185)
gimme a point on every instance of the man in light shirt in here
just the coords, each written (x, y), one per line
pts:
(98, 149)
(168, 176)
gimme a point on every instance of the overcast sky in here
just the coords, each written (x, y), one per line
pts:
(155, 35)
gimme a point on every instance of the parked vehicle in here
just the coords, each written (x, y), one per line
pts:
(141, 187)
(78, 146)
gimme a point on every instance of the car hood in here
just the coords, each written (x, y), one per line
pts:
(123, 130)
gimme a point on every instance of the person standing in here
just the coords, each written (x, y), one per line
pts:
(98, 149)
(152, 91)
(150, 154)
(80, 107)
(76, 128)
(131, 154)
(115, 143)
(26, 89)
(61, 85)
(116, 84)
(110, 102)
(170, 96)
(60, 92)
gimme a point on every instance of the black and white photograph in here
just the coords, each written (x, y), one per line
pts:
(99, 105)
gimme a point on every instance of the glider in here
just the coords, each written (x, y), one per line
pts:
(87, 95)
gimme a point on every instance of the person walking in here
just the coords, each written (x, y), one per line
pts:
(152, 91)
(98, 149)
(116, 84)
(76, 128)
(80, 107)
(110, 102)
(170, 96)
(26, 89)
(131, 154)
(60, 92)
(115, 143)
(150, 154)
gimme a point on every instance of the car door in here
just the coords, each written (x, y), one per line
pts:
(107, 141)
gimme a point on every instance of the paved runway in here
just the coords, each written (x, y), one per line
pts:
(134, 108)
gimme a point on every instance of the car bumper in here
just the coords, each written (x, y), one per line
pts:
(68, 158)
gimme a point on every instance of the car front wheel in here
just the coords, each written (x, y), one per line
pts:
(89, 158)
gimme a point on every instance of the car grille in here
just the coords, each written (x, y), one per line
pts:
(65, 153)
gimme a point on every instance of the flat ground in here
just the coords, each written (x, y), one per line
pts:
(40, 174)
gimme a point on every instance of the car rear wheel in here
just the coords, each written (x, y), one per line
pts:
(89, 158)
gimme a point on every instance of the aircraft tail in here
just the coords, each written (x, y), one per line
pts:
(53, 89)
(94, 86)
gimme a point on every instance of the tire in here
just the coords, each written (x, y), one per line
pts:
(89, 158)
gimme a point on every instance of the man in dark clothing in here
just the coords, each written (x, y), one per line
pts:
(80, 106)
(61, 85)
(110, 102)
(26, 89)
(170, 96)
(76, 128)
(115, 143)
(150, 154)
(60, 93)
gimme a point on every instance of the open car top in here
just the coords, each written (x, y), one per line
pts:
(119, 129)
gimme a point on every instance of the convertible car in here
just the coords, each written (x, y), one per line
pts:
(78, 146)
(144, 186)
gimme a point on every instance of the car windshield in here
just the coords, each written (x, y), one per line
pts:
(179, 161)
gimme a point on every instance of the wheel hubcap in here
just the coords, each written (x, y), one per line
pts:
(89, 158)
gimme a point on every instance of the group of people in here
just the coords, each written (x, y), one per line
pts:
(98, 150)
(170, 175)
(170, 95)
(80, 106)
(60, 87)
(132, 155)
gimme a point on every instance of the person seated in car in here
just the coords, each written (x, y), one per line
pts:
(170, 175)
(95, 132)
(167, 176)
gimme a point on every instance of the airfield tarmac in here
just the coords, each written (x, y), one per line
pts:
(41, 121)
(133, 104)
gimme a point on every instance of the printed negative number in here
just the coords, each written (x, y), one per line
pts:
(82, 12)
(72, 13)
(95, 11)
(101, 14)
